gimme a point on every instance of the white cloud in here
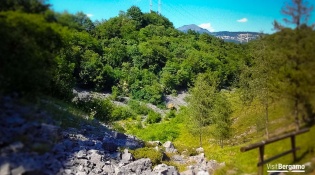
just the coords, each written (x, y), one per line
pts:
(242, 20)
(89, 15)
(207, 26)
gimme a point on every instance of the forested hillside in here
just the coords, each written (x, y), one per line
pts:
(236, 93)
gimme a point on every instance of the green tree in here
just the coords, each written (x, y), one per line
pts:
(201, 103)
(258, 78)
(27, 6)
(296, 57)
(222, 118)
(27, 60)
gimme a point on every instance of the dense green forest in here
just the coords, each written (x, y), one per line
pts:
(142, 56)
(135, 54)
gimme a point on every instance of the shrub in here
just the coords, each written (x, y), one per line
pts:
(138, 108)
(122, 113)
(153, 117)
(151, 153)
(170, 114)
(103, 109)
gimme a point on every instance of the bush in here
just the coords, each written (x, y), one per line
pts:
(122, 113)
(154, 155)
(139, 108)
(170, 114)
(153, 117)
(27, 60)
(103, 109)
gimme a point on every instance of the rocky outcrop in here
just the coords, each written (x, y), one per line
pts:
(32, 143)
(169, 147)
(163, 169)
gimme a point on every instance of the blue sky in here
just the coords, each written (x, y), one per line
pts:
(214, 15)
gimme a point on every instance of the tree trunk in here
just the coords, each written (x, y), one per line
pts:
(200, 140)
(267, 119)
(296, 114)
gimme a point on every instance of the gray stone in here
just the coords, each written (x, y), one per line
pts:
(95, 158)
(126, 157)
(82, 154)
(110, 146)
(118, 135)
(202, 172)
(200, 150)
(109, 169)
(68, 171)
(177, 158)
(169, 147)
(5, 169)
(16, 146)
(19, 170)
(154, 143)
(163, 169)
(81, 173)
(136, 167)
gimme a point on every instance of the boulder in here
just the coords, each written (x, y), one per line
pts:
(169, 147)
(200, 150)
(82, 154)
(163, 169)
(126, 157)
(139, 167)
(110, 145)
(118, 135)
(95, 157)
(202, 172)
(5, 169)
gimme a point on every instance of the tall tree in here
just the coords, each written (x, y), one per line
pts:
(257, 80)
(201, 103)
(297, 61)
(222, 118)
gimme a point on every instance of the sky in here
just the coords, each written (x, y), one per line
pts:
(214, 15)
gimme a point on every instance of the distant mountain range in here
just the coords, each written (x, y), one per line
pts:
(237, 37)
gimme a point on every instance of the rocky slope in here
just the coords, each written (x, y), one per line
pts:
(31, 142)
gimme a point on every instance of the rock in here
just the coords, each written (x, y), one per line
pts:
(109, 169)
(169, 147)
(202, 172)
(139, 167)
(110, 146)
(16, 146)
(5, 169)
(188, 172)
(308, 164)
(126, 157)
(118, 135)
(163, 169)
(19, 170)
(82, 154)
(178, 158)
(81, 173)
(95, 157)
(68, 171)
(200, 150)
(154, 143)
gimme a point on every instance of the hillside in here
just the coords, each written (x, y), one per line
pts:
(236, 37)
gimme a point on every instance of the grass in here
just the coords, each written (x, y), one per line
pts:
(65, 114)
(248, 127)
